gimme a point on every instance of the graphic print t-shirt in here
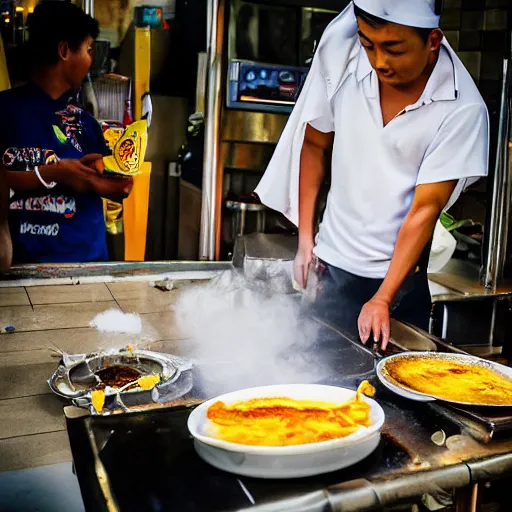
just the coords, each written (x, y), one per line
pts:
(57, 225)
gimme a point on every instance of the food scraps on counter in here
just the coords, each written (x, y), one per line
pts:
(282, 421)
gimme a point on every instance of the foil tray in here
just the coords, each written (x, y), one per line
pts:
(401, 389)
(77, 376)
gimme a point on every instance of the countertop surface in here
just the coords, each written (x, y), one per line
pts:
(49, 319)
(52, 318)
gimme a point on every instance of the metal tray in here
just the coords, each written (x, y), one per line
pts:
(411, 394)
(76, 378)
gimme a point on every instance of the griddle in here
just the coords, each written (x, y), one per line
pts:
(484, 423)
(146, 460)
(151, 465)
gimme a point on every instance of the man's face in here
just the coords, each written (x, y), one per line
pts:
(397, 53)
(78, 62)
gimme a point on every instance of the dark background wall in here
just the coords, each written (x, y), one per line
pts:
(479, 30)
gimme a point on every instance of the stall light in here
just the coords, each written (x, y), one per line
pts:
(7, 20)
(30, 10)
(20, 9)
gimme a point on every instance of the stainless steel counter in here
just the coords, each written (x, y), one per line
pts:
(463, 279)
(109, 272)
(406, 466)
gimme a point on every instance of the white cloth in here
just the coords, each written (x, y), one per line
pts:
(413, 13)
(332, 66)
(443, 247)
(376, 168)
(279, 187)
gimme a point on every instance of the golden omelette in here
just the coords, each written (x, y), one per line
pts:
(281, 421)
(451, 380)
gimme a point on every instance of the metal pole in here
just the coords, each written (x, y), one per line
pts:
(88, 7)
(216, 12)
(500, 206)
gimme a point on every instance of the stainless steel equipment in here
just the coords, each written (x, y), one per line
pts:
(210, 190)
(266, 258)
(497, 268)
(112, 92)
(267, 50)
(240, 210)
(406, 465)
(263, 87)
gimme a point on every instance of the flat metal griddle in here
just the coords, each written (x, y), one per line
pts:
(146, 460)
(151, 465)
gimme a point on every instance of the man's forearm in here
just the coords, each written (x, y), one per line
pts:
(27, 181)
(311, 175)
(412, 239)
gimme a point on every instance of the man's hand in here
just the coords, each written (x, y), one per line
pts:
(416, 231)
(311, 174)
(85, 176)
(115, 188)
(76, 174)
(302, 263)
(374, 318)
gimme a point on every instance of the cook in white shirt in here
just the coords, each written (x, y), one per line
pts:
(409, 130)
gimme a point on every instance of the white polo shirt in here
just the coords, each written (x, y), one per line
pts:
(375, 168)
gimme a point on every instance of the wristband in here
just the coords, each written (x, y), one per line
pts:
(46, 185)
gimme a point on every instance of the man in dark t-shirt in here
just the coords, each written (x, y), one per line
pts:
(50, 147)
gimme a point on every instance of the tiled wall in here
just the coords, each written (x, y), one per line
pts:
(477, 30)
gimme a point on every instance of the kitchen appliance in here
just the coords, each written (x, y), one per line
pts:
(256, 67)
(263, 87)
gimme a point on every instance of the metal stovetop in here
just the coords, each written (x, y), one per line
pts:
(146, 460)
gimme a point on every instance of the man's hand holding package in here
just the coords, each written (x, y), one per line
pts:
(86, 175)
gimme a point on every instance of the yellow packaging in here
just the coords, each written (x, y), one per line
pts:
(129, 150)
(113, 216)
(112, 135)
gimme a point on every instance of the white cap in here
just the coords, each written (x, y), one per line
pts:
(412, 13)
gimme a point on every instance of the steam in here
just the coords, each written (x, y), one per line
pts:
(243, 335)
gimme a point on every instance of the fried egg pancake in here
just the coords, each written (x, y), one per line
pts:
(283, 421)
(451, 380)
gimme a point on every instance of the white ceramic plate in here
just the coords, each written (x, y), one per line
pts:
(406, 392)
(286, 461)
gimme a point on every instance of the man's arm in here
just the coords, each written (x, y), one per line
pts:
(75, 174)
(5, 237)
(416, 231)
(312, 159)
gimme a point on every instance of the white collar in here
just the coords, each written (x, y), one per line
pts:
(441, 86)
